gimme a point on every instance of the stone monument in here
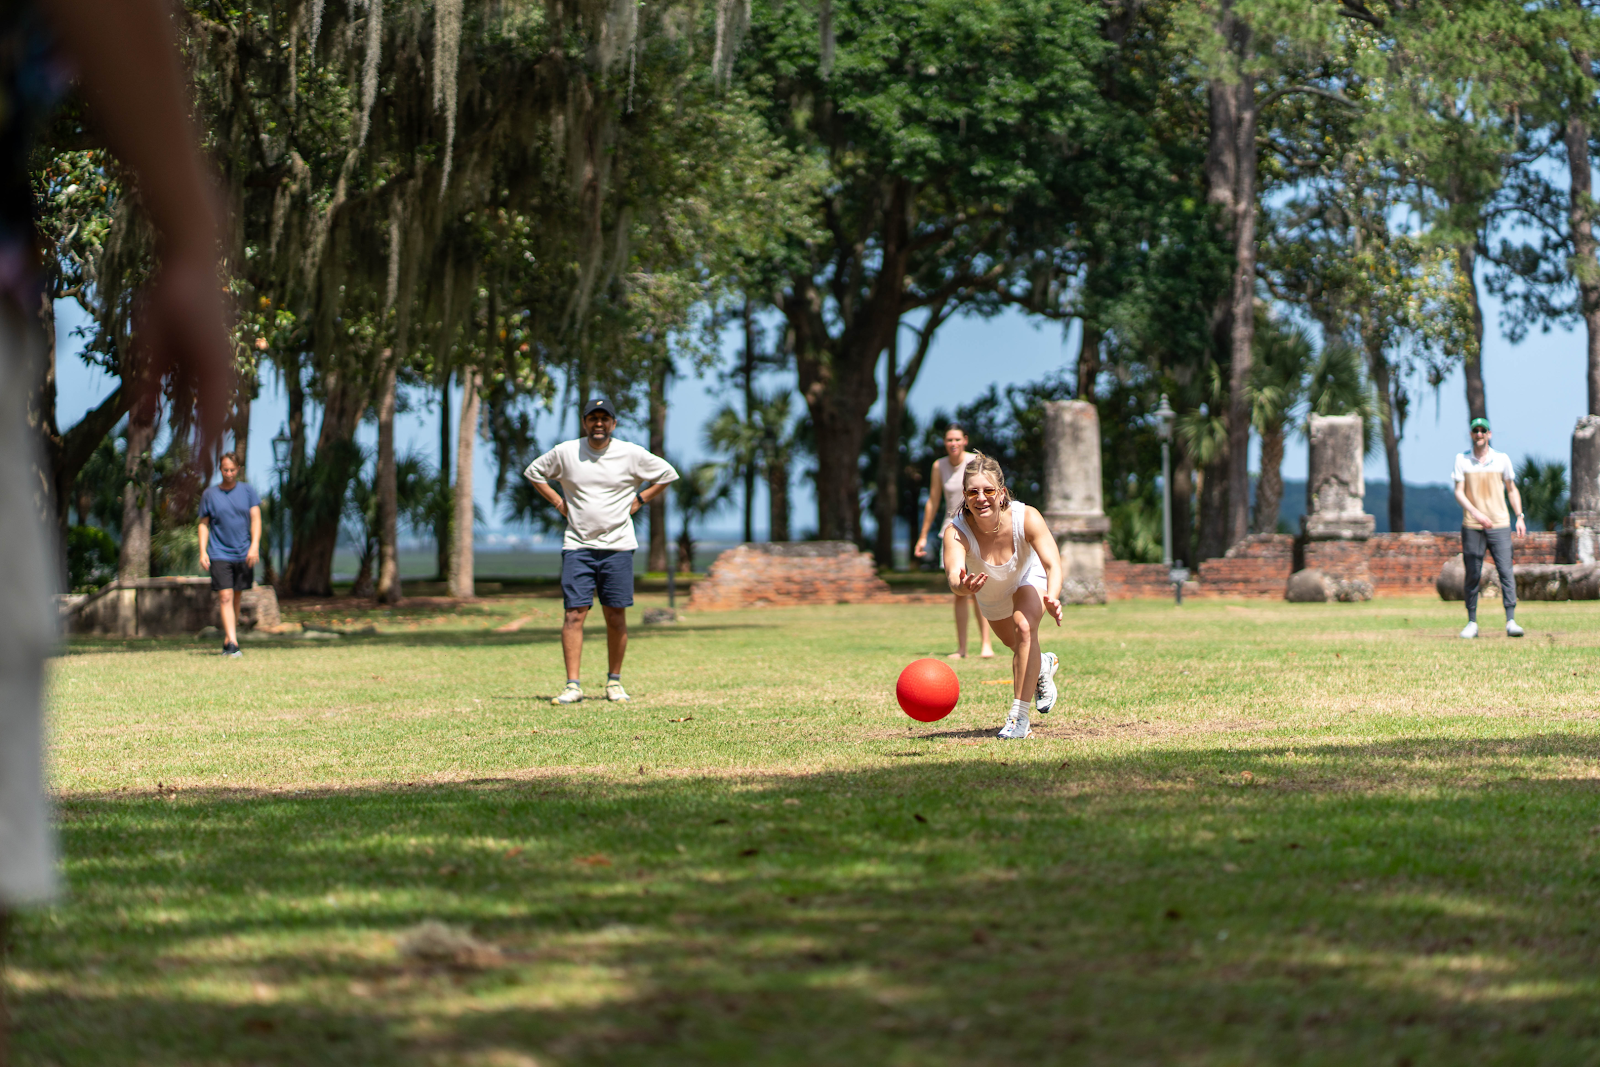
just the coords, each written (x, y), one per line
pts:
(1335, 527)
(1580, 532)
(1072, 505)
(158, 607)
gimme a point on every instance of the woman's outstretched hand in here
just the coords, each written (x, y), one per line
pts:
(1053, 606)
(971, 583)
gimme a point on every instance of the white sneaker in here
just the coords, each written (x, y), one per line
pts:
(1512, 629)
(1016, 726)
(1470, 630)
(570, 695)
(614, 691)
(1044, 695)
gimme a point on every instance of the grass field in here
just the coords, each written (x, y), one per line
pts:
(1252, 833)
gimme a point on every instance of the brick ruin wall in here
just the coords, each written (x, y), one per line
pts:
(788, 574)
(1259, 566)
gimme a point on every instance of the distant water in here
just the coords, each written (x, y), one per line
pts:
(1428, 507)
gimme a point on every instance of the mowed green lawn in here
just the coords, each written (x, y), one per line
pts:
(1252, 833)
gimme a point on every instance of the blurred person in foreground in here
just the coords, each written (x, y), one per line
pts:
(124, 55)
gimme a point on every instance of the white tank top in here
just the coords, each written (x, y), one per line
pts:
(952, 477)
(994, 599)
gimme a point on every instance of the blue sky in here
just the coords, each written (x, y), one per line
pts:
(1536, 392)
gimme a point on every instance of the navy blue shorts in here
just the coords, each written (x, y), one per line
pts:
(584, 570)
(233, 574)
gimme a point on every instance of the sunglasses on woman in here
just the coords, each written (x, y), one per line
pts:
(990, 493)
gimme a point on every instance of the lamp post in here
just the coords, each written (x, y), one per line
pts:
(280, 456)
(672, 578)
(1165, 418)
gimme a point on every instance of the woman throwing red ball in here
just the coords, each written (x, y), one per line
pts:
(1015, 577)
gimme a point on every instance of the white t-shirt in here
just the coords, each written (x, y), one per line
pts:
(1485, 485)
(600, 487)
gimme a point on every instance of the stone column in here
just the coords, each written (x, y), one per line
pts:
(1335, 527)
(1072, 503)
(1580, 533)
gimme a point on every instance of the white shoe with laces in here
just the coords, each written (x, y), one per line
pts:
(571, 694)
(1044, 695)
(1016, 727)
(1512, 629)
(1470, 630)
(614, 690)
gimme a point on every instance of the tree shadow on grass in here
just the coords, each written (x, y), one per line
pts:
(1429, 901)
(543, 633)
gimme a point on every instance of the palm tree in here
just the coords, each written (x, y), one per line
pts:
(1544, 491)
(700, 491)
(737, 439)
(414, 484)
(1283, 358)
(1204, 435)
(1338, 385)
(765, 441)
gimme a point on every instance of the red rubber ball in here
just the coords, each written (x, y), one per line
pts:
(927, 690)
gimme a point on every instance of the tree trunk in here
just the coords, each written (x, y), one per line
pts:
(1269, 490)
(777, 468)
(64, 455)
(133, 561)
(1472, 359)
(839, 392)
(1214, 511)
(1231, 181)
(466, 437)
(1384, 385)
(1580, 214)
(322, 495)
(585, 385)
(658, 446)
(296, 394)
(894, 402)
(289, 489)
(1183, 509)
(388, 589)
(838, 375)
(749, 375)
(441, 527)
(239, 424)
(362, 586)
(1088, 358)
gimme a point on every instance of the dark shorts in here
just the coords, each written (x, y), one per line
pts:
(587, 570)
(233, 574)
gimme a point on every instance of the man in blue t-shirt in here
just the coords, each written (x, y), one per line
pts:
(230, 543)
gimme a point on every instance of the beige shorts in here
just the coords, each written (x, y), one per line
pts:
(28, 572)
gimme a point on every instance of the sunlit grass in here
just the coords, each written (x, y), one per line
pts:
(1253, 833)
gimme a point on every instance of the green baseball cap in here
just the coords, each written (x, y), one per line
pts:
(1478, 424)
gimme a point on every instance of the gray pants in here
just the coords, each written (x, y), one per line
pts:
(27, 630)
(1498, 543)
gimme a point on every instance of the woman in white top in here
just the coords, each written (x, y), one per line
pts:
(948, 470)
(1014, 577)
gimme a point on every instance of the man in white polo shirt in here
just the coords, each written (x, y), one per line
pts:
(1484, 479)
(604, 481)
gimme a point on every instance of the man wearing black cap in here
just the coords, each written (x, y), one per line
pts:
(603, 482)
(1483, 479)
